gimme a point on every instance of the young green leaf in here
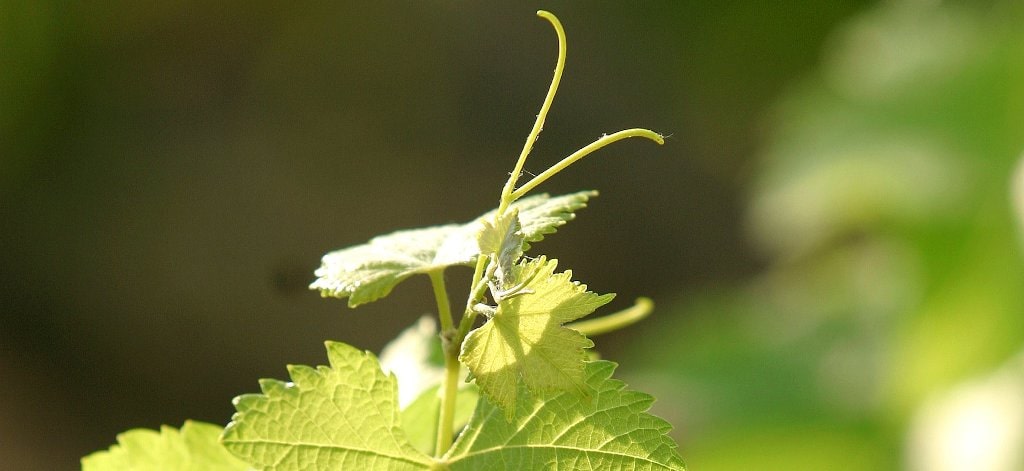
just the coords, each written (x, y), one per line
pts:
(525, 341)
(340, 417)
(195, 446)
(502, 240)
(368, 272)
(557, 430)
(415, 357)
(540, 215)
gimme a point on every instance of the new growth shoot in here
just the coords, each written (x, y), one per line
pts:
(509, 194)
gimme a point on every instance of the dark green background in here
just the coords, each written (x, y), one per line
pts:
(171, 173)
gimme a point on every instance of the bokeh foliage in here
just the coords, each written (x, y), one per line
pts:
(883, 201)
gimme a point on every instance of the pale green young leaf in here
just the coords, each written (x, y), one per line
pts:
(415, 358)
(195, 446)
(419, 419)
(525, 342)
(502, 240)
(540, 215)
(340, 417)
(500, 234)
(368, 272)
(557, 430)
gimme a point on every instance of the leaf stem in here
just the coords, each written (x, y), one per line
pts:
(444, 309)
(583, 152)
(507, 194)
(446, 420)
(612, 322)
(476, 295)
(451, 363)
(452, 345)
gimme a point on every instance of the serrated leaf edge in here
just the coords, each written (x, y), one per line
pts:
(300, 375)
(602, 368)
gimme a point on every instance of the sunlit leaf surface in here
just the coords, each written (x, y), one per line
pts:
(340, 417)
(368, 272)
(560, 431)
(525, 341)
(195, 446)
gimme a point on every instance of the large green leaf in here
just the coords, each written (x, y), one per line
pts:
(195, 446)
(525, 342)
(346, 417)
(556, 430)
(368, 272)
(340, 417)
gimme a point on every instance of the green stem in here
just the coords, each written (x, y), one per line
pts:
(478, 285)
(585, 151)
(453, 347)
(475, 296)
(616, 321)
(507, 192)
(450, 385)
(452, 344)
(446, 420)
(444, 309)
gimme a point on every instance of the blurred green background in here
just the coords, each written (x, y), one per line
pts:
(829, 232)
